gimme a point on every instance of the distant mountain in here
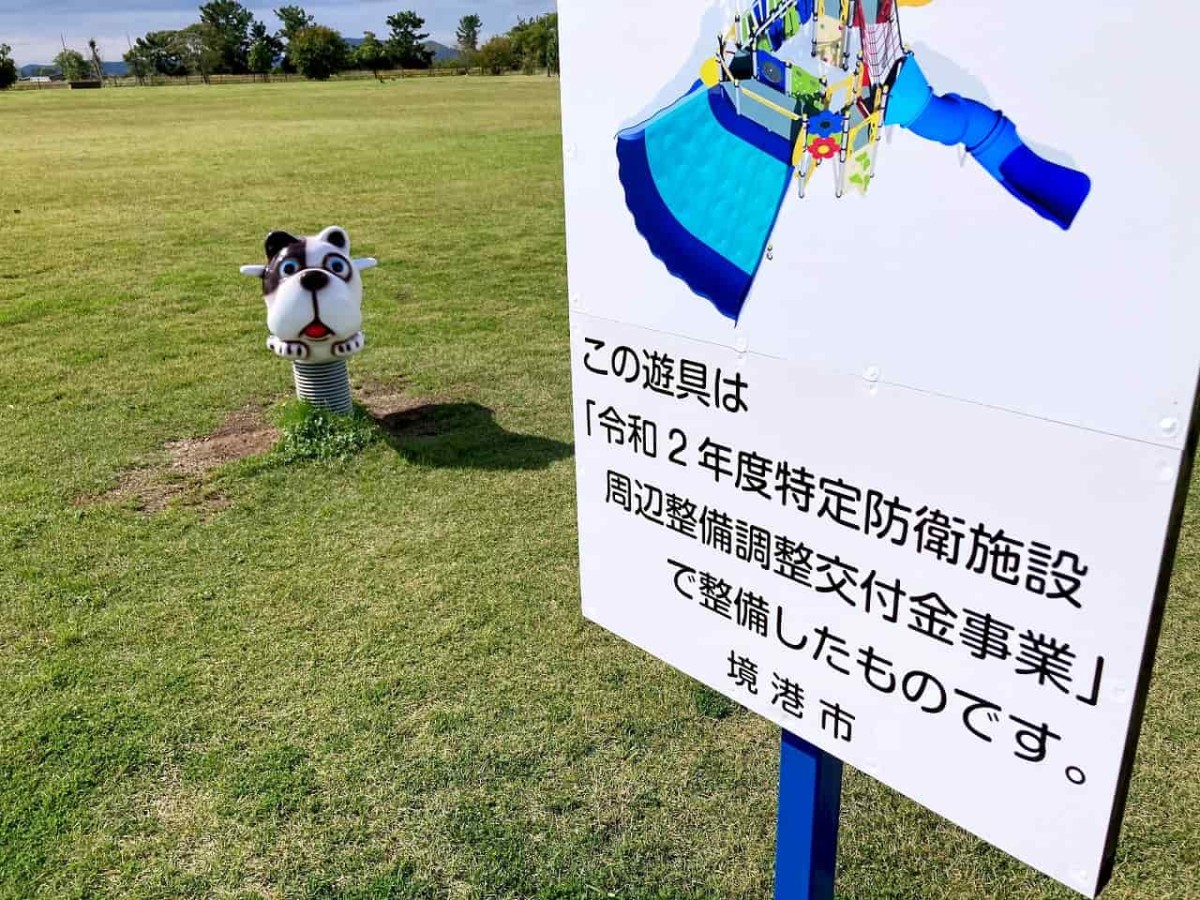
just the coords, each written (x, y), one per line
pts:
(115, 69)
(441, 51)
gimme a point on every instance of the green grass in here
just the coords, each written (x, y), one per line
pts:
(311, 434)
(369, 677)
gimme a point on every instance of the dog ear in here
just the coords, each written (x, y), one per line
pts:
(276, 241)
(337, 236)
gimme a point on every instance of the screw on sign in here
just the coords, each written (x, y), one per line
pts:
(313, 292)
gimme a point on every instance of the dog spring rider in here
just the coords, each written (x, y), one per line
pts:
(313, 291)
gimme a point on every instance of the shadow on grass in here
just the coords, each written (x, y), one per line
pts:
(465, 436)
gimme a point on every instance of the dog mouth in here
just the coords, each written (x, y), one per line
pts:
(316, 330)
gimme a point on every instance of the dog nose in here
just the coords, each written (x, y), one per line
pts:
(314, 280)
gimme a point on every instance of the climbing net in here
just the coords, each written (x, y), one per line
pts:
(882, 47)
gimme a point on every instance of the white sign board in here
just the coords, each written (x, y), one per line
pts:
(883, 398)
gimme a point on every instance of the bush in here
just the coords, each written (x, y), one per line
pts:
(73, 66)
(497, 55)
(462, 63)
(8, 68)
(318, 52)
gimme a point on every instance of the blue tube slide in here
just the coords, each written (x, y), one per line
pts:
(1053, 191)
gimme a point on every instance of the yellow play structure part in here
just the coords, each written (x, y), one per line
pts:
(710, 72)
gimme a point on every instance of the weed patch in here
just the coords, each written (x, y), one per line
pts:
(312, 434)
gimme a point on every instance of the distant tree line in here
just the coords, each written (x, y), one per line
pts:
(229, 39)
(532, 44)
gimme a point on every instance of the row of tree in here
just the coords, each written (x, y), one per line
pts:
(229, 39)
(530, 45)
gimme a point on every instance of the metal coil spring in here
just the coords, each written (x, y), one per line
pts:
(326, 384)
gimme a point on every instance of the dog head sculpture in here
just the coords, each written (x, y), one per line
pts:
(313, 292)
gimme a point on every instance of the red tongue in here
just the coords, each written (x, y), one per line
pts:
(316, 331)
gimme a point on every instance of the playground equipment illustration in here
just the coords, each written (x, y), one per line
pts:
(706, 177)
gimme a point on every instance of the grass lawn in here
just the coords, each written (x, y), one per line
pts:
(370, 678)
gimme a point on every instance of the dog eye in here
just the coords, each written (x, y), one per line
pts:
(290, 267)
(338, 265)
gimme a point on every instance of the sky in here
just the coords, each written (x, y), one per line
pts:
(33, 27)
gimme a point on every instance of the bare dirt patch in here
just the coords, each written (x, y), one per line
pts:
(181, 476)
(245, 433)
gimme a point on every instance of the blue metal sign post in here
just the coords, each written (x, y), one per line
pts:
(810, 802)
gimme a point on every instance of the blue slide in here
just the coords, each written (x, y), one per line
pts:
(705, 187)
(1053, 191)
